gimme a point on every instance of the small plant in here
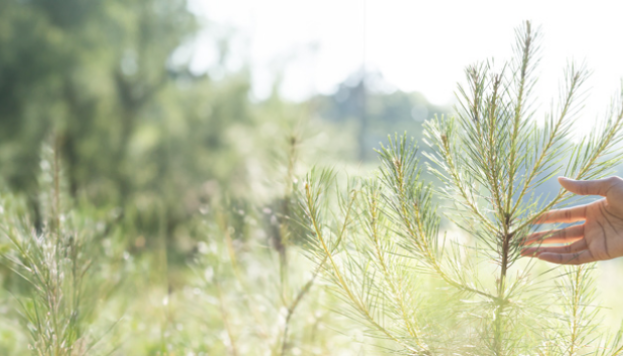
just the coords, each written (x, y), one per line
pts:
(57, 302)
(261, 292)
(421, 292)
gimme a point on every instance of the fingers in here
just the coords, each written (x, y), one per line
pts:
(587, 187)
(568, 234)
(576, 258)
(567, 215)
(573, 254)
(574, 247)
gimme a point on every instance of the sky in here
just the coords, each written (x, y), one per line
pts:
(420, 46)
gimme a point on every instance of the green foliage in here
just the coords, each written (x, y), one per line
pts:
(102, 61)
(64, 286)
(252, 271)
(139, 130)
(133, 123)
(171, 230)
(423, 294)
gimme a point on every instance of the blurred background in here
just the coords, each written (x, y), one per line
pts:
(165, 112)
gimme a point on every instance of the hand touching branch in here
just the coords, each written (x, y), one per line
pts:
(599, 238)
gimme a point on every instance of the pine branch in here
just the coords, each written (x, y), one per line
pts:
(373, 221)
(576, 79)
(310, 202)
(527, 47)
(295, 303)
(442, 144)
(603, 143)
(400, 175)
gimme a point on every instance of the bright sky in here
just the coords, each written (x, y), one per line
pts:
(418, 45)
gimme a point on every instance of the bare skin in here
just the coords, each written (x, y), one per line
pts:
(599, 238)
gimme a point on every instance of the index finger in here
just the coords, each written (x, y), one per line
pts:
(576, 213)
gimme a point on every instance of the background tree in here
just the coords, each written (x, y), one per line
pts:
(375, 107)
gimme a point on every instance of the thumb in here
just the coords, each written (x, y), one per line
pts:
(586, 187)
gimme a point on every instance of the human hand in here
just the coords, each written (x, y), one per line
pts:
(599, 238)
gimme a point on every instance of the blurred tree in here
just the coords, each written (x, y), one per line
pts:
(378, 109)
(137, 129)
(132, 123)
(88, 70)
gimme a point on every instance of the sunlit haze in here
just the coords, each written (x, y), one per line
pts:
(417, 46)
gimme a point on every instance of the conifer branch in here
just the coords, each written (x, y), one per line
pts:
(610, 136)
(400, 173)
(311, 201)
(442, 143)
(527, 53)
(373, 219)
(295, 303)
(575, 79)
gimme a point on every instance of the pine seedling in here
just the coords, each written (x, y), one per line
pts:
(259, 286)
(55, 261)
(419, 293)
